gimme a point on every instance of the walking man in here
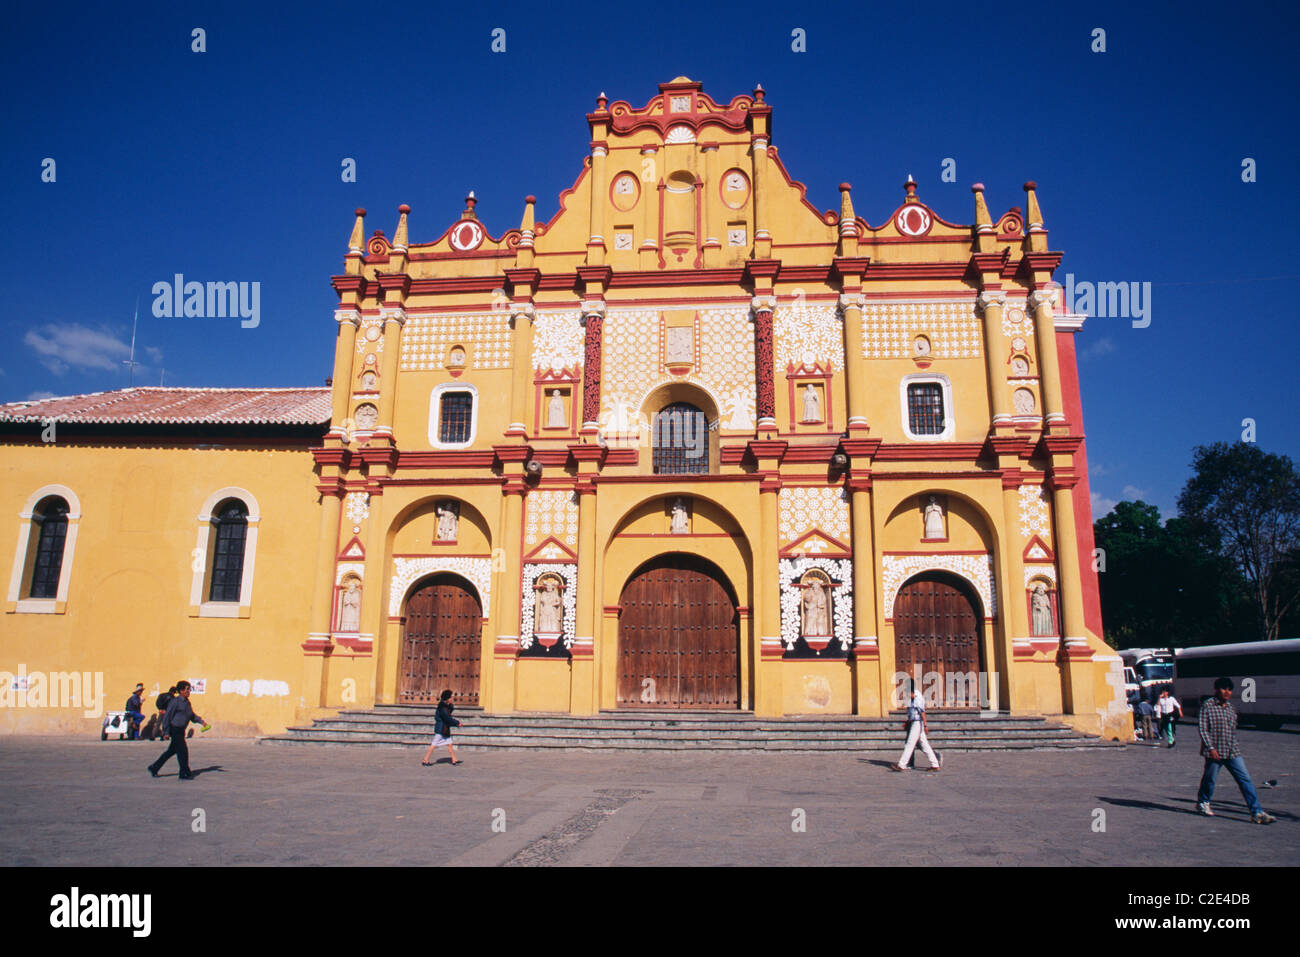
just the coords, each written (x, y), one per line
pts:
(1218, 727)
(1166, 705)
(177, 718)
(1147, 714)
(916, 732)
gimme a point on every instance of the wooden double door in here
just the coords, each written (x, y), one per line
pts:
(937, 632)
(678, 637)
(442, 644)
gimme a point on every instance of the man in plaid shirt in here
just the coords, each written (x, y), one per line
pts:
(1219, 745)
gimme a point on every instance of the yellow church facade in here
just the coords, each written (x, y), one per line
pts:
(689, 444)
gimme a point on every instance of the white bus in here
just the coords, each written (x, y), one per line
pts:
(1153, 669)
(1266, 676)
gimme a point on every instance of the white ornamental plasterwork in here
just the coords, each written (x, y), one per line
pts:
(841, 571)
(365, 337)
(484, 335)
(349, 568)
(806, 334)
(1016, 320)
(407, 570)
(727, 365)
(558, 340)
(552, 513)
(1040, 571)
(802, 509)
(527, 605)
(357, 507)
(630, 366)
(1035, 513)
(889, 329)
(976, 569)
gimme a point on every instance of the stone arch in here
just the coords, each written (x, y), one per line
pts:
(668, 393)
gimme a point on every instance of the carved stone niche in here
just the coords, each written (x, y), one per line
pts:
(933, 519)
(548, 609)
(816, 618)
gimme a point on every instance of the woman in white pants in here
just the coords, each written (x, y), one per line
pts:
(916, 729)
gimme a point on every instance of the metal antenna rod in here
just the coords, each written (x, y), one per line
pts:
(130, 363)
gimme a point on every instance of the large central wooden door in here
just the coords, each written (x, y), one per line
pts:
(441, 643)
(678, 637)
(936, 630)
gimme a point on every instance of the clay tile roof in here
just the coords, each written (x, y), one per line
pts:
(178, 406)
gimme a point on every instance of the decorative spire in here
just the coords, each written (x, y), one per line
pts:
(848, 223)
(983, 221)
(399, 236)
(1035, 231)
(601, 100)
(527, 229)
(358, 237)
(759, 93)
(910, 186)
(470, 202)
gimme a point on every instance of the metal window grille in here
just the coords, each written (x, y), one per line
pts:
(228, 555)
(456, 417)
(49, 550)
(681, 441)
(925, 408)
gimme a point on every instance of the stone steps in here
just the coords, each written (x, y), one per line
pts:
(412, 726)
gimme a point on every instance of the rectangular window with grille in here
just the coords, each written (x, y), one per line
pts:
(681, 441)
(925, 408)
(456, 417)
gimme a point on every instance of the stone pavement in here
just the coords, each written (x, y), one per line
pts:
(84, 802)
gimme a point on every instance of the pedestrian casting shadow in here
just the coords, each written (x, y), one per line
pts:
(1188, 806)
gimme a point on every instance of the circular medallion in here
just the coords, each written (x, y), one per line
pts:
(466, 235)
(1018, 343)
(372, 333)
(370, 358)
(913, 220)
(624, 191)
(734, 188)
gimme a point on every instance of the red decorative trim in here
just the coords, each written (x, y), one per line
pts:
(355, 541)
(591, 368)
(763, 364)
(571, 555)
(623, 119)
(927, 452)
(567, 377)
(444, 460)
(360, 647)
(1036, 541)
(836, 549)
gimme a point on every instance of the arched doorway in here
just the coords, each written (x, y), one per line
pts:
(678, 637)
(937, 633)
(441, 642)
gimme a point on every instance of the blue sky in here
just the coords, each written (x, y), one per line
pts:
(225, 165)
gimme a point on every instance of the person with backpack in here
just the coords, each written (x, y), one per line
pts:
(161, 704)
(443, 722)
(177, 718)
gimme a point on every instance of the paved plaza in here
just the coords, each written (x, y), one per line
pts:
(84, 802)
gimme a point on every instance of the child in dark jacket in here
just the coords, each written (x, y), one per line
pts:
(443, 722)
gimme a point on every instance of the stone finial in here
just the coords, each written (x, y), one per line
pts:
(848, 223)
(910, 187)
(983, 220)
(358, 238)
(601, 101)
(400, 234)
(470, 202)
(1034, 229)
(759, 93)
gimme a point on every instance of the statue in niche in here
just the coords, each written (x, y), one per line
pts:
(1024, 401)
(681, 518)
(448, 521)
(816, 608)
(934, 519)
(548, 611)
(350, 607)
(555, 418)
(812, 404)
(1042, 608)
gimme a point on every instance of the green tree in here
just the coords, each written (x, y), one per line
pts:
(1251, 500)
